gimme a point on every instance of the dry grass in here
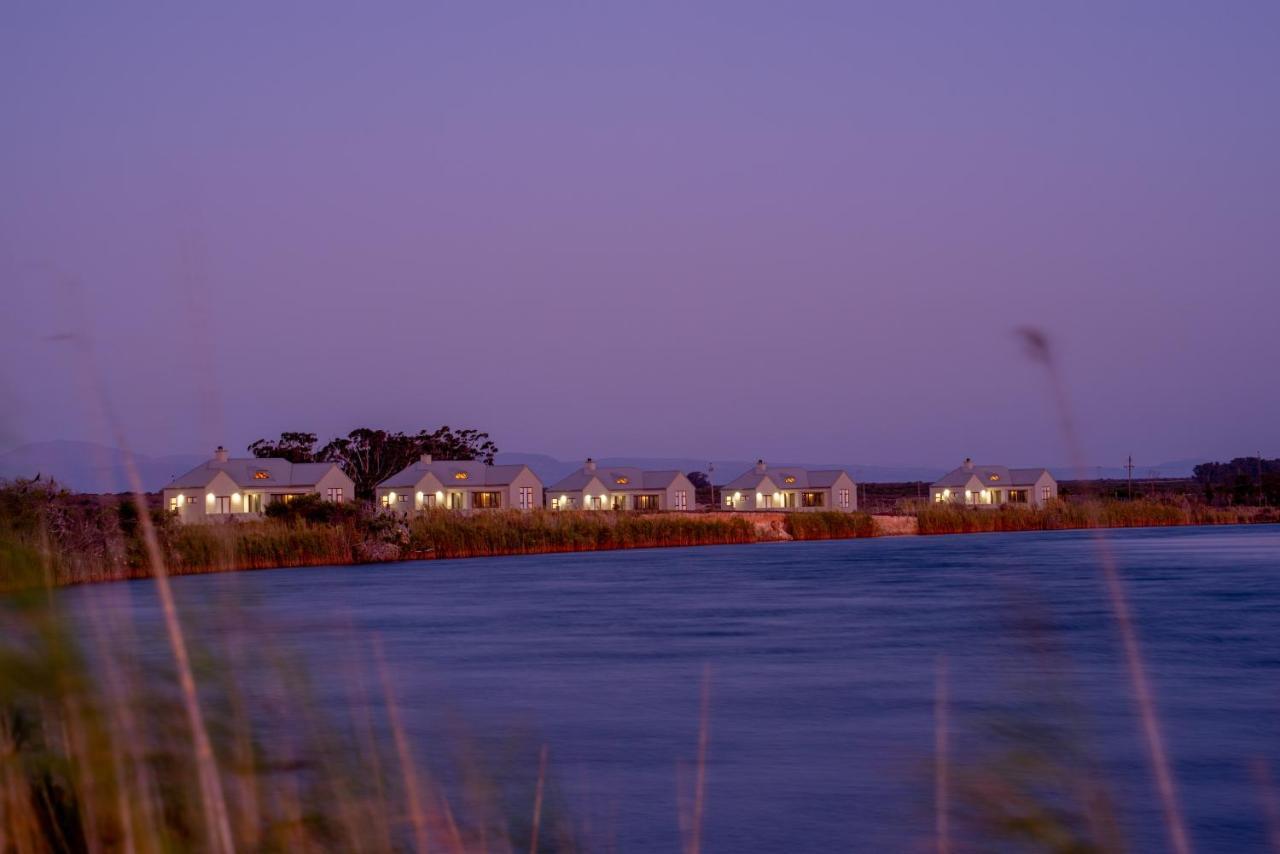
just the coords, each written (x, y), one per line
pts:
(446, 534)
(1065, 515)
(830, 525)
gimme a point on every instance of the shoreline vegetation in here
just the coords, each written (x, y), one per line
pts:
(83, 539)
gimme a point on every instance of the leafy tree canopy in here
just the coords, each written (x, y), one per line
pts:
(699, 479)
(294, 447)
(370, 456)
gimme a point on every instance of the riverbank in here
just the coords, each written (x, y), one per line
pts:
(78, 542)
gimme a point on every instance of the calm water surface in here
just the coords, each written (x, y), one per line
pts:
(822, 658)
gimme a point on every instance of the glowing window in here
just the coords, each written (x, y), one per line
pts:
(622, 480)
(789, 479)
(460, 475)
(262, 474)
(993, 478)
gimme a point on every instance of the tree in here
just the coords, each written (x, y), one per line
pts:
(1242, 480)
(465, 444)
(702, 489)
(371, 456)
(294, 447)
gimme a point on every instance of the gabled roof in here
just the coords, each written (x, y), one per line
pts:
(991, 476)
(457, 473)
(788, 477)
(617, 479)
(255, 473)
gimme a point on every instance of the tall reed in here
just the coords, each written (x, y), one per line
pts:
(944, 518)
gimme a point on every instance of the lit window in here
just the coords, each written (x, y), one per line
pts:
(461, 475)
(789, 479)
(993, 478)
(622, 480)
(646, 502)
(262, 474)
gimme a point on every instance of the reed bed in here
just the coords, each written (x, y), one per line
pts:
(445, 534)
(1067, 515)
(830, 525)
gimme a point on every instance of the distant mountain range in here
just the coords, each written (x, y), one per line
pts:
(90, 467)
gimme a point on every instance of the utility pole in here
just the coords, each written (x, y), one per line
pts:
(711, 487)
(1129, 467)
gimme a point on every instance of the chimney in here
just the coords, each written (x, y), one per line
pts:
(760, 466)
(968, 464)
(425, 459)
(590, 466)
(219, 454)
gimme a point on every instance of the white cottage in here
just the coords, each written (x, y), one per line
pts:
(226, 488)
(459, 485)
(790, 488)
(621, 488)
(993, 486)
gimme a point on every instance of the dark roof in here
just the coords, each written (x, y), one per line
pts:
(802, 478)
(255, 472)
(446, 471)
(635, 479)
(991, 476)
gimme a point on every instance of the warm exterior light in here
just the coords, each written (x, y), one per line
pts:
(439, 495)
(179, 498)
(209, 497)
(391, 496)
(235, 496)
(460, 475)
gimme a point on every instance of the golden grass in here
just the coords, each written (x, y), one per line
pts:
(446, 534)
(829, 525)
(1067, 515)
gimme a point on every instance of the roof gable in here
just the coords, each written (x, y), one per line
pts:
(255, 473)
(788, 477)
(458, 474)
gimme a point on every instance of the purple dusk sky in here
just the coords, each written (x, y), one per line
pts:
(803, 231)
